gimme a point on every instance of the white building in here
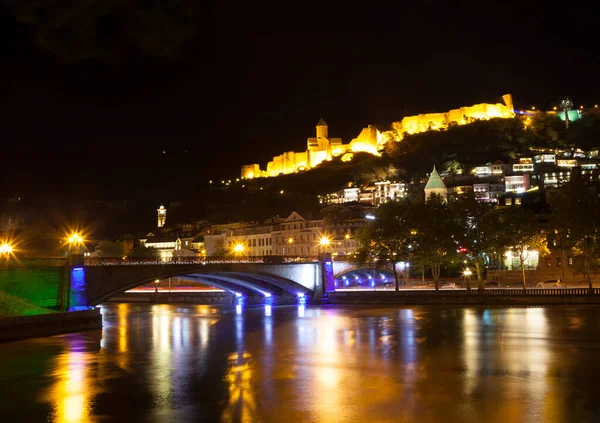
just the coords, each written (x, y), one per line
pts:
(298, 236)
(389, 191)
(545, 158)
(524, 165)
(168, 247)
(567, 163)
(500, 168)
(517, 183)
(483, 171)
(488, 191)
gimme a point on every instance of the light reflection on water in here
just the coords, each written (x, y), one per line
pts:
(271, 364)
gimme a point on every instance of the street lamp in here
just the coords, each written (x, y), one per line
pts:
(346, 239)
(74, 240)
(324, 242)
(156, 286)
(238, 248)
(467, 274)
(5, 250)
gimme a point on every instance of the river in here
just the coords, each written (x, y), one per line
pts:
(169, 363)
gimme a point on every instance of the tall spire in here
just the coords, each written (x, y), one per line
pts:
(321, 123)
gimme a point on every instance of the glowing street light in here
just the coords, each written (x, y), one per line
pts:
(238, 248)
(324, 241)
(467, 274)
(6, 249)
(75, 239)
(290, 240)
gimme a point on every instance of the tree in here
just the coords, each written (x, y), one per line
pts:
(111, 249)
(480, 232)
(524, 235)
(432, 237)
(575, 214)
(143, 252)
(386, 239)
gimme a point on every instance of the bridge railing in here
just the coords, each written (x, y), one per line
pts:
(118, 261)
(490, 292)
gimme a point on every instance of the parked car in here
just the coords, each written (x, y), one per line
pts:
(449, 286)
(550, 283)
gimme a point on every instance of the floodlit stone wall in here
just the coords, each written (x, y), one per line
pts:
(370, 140)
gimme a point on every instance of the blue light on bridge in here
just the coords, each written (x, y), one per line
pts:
(78, 294)
(301, 299)
(239, 304)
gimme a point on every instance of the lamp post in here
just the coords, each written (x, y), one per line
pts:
(238, 249)
(5, 251)
(290, 242)
(75, 240)
(467, 273)
(324, 242)
(156, 286)
(346, 240)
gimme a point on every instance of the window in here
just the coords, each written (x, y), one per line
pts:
(570, 261)
(509, 201)
(548, 262)
(558, 261)
(517, 201)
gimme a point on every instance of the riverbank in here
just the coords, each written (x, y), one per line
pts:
(488, 297)
(53, 323)
(11, 306)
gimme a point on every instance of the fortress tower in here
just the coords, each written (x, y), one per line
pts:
(322, 129)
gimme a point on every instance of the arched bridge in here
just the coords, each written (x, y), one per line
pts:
(279, 277)
(74, 282)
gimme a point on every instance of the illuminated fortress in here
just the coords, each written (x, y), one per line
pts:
(370, 140)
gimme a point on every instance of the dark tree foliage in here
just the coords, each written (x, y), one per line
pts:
(575, 217)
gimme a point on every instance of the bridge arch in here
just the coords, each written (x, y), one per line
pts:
(251, 280)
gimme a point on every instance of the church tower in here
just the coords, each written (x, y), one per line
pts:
(435, 185)
(322, 130)
(162, 216)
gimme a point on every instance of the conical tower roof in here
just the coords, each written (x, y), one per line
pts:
(321, 123)
(435, 181)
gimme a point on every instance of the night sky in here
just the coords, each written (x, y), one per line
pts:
(243, 81)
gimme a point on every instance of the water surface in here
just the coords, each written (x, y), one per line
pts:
(168, 363)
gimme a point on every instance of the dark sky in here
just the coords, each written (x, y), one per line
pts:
(255, 78)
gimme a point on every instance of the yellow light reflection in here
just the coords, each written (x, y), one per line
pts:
(162, 357)
(242, 401)
(242, 396)
(71, 396)
(122, 311)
